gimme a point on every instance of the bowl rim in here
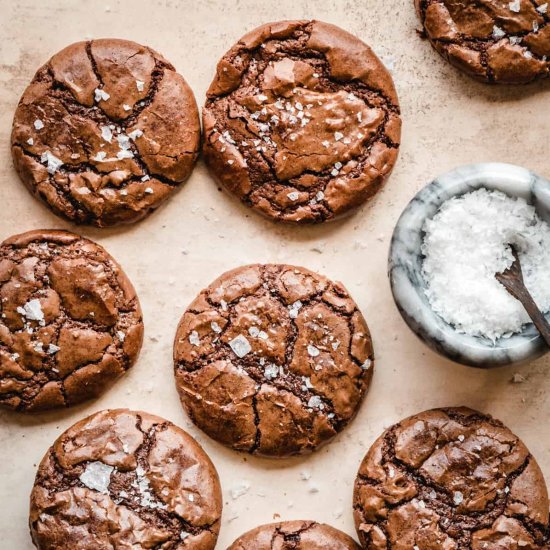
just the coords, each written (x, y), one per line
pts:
(405, 259)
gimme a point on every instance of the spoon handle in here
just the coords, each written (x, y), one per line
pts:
(518, 290)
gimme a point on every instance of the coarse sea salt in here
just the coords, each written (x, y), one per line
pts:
(466, 243)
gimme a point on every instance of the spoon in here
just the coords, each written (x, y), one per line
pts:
(512, 280)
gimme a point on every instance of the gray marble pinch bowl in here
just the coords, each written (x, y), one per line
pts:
(405, 265)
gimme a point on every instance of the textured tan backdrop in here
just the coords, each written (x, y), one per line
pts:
(448, 120)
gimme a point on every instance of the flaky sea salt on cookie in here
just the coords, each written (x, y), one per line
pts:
(125, 479)
(105, 132)
(497, 41)
(70, 320)
(450, 479)
(294, 535)
(273, 359)
(301, 121)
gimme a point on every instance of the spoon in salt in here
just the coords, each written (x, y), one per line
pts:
(512, 280)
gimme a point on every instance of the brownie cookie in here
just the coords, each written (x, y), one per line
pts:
(294, 535)
(272, 359)
(301, 121)
(70, 320)
(125, 479)
(105, 132)
(497, 41)
(451, 479)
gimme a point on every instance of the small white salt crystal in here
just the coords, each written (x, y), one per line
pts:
(294, 309)
(215, 327)
(543, 8)
(53, 349)
(515, 6)
(38, 124)
(293, 195)
(149, 190)
(101, 95)
(30, 141)
(100, 156)
(315, 402)
(239, 490)
(194, 339)
(126, 107)
(32, 310)
(271, 371)
(140, 85)
(312, 351)
(52, 162)
(106, 133)
(240, 346)
(135, 134)
(97, 476)
(498, 32)
(121, 335)
(367, 364)
(338, 136)
(125, 154)
(458, 497)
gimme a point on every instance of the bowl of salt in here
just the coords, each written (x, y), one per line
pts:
(451, 240)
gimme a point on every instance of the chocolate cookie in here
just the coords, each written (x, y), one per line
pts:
(497, 41)
(450, 479)
(70, 320)
(272, 359)
(105, 132)
(301, 121)
(294, 535)
(125, 479)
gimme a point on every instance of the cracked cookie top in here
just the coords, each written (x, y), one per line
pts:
(497, 41)
(301, 121)
(125, 479)
(105, 132)
(294, 535)
(70, 320)
(272, 359)
(451, 479)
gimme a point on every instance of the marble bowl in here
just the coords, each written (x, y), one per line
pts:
(405, 263)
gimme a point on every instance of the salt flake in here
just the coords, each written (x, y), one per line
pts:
(312, 351)
(97, 476)
(52, 162)
(240, 346)
(100, 95)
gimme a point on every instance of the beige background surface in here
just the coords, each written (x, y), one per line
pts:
(448, 120)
